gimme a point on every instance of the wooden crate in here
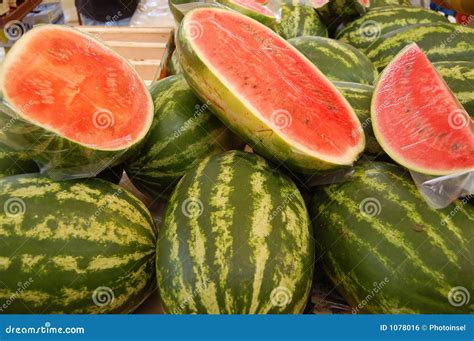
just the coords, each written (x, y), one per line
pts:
(144, 47)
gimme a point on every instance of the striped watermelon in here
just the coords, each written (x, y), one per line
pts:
(13, 163)
(183, 132)
(381, 21)
(260, 99)
(173, 66)
(49, 71)
(338, 61)
(439, 41)
(297, 20)
(359, 97)
(460, 78)
(73, 247)
(236, 239)
(387, 251)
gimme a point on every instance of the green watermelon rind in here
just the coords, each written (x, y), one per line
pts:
(381, 140)
(377, 228)
(297, 20)
(381, 21)
(245, 197)
(436, 40)
(15, 163)
(62, 157)
(460, 78)
(254, 131)
(347, 64)
(96, 240)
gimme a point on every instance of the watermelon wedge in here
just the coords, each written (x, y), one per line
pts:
(267, 92)
(78, 103)
(418, 121)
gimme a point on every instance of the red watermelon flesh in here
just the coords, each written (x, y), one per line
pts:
(417, 119)
(256, 6)
(278, 82)
(69, 83)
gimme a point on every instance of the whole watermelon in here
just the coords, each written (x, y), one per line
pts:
(183, 132)
(298, 20)
(236, 239)
(387, 251)
(76, 247)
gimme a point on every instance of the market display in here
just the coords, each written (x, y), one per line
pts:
(284, 151)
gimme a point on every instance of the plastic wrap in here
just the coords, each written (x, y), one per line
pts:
(440, 192)
(152, 13)
(56, 156)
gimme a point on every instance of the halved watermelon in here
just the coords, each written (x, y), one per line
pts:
(418, 121)
(267, 92)
(78, 102)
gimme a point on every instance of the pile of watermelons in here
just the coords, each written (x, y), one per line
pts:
(272, 147)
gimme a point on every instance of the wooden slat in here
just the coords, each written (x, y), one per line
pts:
(131, 34)
(147, 68)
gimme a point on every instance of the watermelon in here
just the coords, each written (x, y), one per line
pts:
(381, 21)
(338, 61)
(440, 42)
(460, 79)
(387, 251)
(256, 91)
(177, 7)
(56, 69)
(335, 12)
(13, 162)
(383, 3)
(297, 20)
(183, 132)
(359, 96)
(235, 239)
(253, 9)
(81, 247)
(173, 67)
(418, 121)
